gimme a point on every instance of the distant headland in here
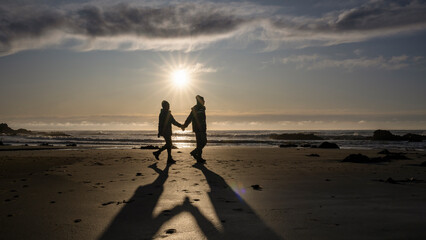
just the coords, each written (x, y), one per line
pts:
(6, 130)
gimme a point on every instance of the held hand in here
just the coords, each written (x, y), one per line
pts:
(183, 128)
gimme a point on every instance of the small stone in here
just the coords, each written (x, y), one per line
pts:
(390, 180)
(313, 155)
(170, 231)
(256, 187)
(77, 220)
(138, 174)
(108, 203)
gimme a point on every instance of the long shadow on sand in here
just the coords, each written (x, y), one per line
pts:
(238, 220)
(135, 220)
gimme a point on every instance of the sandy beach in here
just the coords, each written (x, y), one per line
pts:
(77, 193)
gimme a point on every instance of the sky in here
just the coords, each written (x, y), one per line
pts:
(260, 65)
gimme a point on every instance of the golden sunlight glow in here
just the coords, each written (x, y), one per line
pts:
(180, 77)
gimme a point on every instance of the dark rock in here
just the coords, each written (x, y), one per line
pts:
(390, 180)
(4, 128)
(108, 203)
(288, 145)
(384, 135)
(423, 164)
(149, 147)
(23, 131)
(1, 142)
(384, 151)
(313, 155)
(55, 134)
(395, 156)
(328, 145)
(256, 187)
(77, 220)
(307, 145)
(72, 145)
(44, 144)
(138, 174)
(357, 158)
(295, 136)
(413, 137)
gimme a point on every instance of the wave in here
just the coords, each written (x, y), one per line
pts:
(345, 138)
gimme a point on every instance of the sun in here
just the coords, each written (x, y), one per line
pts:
(180, 77)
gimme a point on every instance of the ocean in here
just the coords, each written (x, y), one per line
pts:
(346, 139)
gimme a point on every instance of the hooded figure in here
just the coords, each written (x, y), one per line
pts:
(198, 119)
(165, 122)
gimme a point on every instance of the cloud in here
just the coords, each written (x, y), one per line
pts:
(201, 68)
(119, 26)
(373, 19)
(194, 25)
(312, 62)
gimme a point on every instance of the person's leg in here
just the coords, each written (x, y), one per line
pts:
(201, 142)
(164, 147)
(194, 153)
(168, 146)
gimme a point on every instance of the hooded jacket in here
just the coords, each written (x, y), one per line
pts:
(165, 122)
(198, 118)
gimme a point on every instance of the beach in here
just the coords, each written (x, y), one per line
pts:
(241, 193)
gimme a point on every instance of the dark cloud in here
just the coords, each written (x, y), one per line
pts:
(167, 22)
(148, 27)
(383, 14)
(186, 20)
(373, 16)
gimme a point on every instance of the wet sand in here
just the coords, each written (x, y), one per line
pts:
(123, 194)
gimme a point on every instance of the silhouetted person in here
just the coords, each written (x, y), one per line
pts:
(199, 127)
(165, 122)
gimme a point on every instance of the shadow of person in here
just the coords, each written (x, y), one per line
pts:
(238, 219)
(135, 220)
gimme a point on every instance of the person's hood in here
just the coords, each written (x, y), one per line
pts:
(199, 106)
